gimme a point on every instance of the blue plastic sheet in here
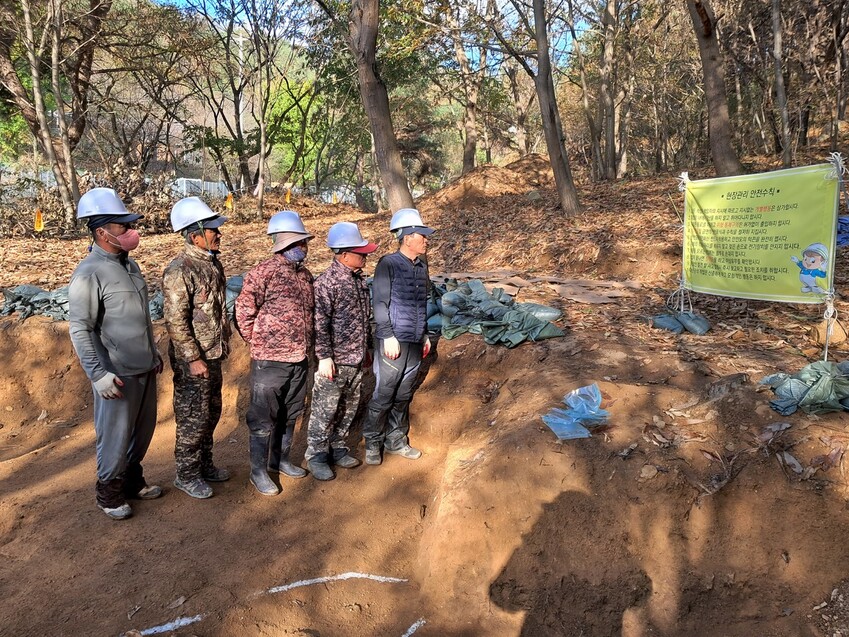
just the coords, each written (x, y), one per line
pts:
(583, 409)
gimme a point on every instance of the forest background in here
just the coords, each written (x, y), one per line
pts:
(382, 102)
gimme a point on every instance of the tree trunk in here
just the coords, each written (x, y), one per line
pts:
(608, 118)
(362, 203)
(45, 140)
(780, 92)
(362, 40)
(551, 124)
(722, 151)
(67, 159)
(521, 111)
(595, 135)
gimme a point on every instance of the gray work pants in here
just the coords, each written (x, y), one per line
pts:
(124, 428)
(393, 391)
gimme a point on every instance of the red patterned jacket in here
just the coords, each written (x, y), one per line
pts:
(274, 311)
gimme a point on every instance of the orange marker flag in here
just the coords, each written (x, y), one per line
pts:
(228, 201)
(288, 194)
(39, 221)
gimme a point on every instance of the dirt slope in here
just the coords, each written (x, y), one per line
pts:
(676, 519)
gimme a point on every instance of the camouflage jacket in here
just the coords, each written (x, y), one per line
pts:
(274, 311)
(195, 306)
(342, 309)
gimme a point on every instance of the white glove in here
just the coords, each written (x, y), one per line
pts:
(794, 259)
(108, 386)
(326, 368)
(391, 348)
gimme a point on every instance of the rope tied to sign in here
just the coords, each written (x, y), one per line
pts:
(838, 170)
(683, 180)
(679, 298)
(830, 316)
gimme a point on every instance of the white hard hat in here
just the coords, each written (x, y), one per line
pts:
(817, 248)
(104, 202)
(408, 221)
(191, 211)
(286, 221)
(345, 235)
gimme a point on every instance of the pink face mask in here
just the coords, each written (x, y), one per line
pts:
(127, 241)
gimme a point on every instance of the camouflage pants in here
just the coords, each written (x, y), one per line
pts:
(333, 407)
(197, 409)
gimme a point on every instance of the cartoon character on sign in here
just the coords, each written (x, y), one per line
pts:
(812, 267)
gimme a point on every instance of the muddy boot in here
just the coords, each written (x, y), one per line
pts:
(278, 462)
(373, 456)
(343, 458)
(259, 459)
(319, 468)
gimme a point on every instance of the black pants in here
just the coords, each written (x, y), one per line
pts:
(394, 385)
(278, 391)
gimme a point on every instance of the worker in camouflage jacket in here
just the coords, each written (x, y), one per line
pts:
(274, 314)
(342, 341)
(195, 315)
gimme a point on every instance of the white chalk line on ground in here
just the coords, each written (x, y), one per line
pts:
(186, 621)
(174, 625)
(414, 627)
(335, 578)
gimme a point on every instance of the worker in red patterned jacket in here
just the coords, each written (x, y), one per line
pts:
(274, 314)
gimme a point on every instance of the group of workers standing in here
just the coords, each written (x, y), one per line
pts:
(282, 312)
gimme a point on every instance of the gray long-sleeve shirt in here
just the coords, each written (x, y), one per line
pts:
(109, 317)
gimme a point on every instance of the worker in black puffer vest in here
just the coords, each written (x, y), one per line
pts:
(399, 297)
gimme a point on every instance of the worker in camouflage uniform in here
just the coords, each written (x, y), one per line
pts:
(112, 335)
(195, 315)
(342, 341)
(274, 314)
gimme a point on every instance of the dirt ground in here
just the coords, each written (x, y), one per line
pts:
(682, 516)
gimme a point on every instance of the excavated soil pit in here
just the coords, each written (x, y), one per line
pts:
(498, 530)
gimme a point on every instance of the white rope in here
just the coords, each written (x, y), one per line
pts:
(676, 301)
(683, 180)
(838, 166)
(830, 316)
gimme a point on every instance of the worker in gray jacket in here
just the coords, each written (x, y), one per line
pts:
(112, 335)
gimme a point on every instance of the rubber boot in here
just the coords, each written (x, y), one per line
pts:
(319, 467)
(259, 458)
(278, 462)
(343, 458)
(373, 435)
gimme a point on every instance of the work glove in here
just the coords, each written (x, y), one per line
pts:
(199, 368)
(426, 347)
(326, 368)
(391, 348)
(108, 386)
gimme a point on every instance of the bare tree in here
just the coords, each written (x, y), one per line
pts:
(52, 38)
(543, 78)
(725, 158)
(361, 38)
